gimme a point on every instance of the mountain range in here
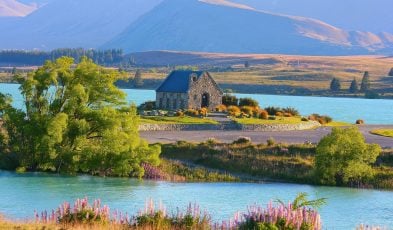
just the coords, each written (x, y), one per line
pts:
(231, 26)
(366, 15)
(12, 8)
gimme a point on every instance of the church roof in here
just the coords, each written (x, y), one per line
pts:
(178, 81)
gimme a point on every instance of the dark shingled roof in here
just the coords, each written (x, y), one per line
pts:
(178, 81)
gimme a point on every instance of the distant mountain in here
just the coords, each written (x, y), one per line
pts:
(13, 8)
(228, 26)
(37, 2)
(366, 15)
(221, 26)
(72, 23)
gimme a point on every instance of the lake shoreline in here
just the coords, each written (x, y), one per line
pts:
(276, 93)
(279, 93)
(21, 194)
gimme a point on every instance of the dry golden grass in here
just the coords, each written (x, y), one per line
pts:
(310, 72)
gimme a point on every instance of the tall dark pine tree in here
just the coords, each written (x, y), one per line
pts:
(391, 72)
(335, 85)
(138, 81)
(365, 85)
(354, 86)
(246, 64)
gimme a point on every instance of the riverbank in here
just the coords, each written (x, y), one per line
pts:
(273, 162)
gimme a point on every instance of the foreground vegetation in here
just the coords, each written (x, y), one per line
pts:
(298, 215)
(341, 159)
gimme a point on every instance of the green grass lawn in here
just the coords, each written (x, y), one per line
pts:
(175, 120)
(279, 120)
(383, 132)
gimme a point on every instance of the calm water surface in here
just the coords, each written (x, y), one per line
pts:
(341, 109)
(21, 194)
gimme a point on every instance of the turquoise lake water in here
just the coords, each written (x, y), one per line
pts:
(21, 194)
(341, 109)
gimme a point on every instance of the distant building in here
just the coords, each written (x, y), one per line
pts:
(188, 90)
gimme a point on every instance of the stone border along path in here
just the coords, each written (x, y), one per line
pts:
(226, 124)
(229, 127)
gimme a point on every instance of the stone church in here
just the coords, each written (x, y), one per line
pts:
(184, 89)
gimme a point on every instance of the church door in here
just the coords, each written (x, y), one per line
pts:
(205, 100)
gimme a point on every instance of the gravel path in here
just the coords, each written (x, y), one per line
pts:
(260, 137)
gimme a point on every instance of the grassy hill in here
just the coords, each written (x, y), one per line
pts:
(271, 73)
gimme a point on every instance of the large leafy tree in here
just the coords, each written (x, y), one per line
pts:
(344, 157)
(74, 119)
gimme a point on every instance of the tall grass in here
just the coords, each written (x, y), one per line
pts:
(83, 215)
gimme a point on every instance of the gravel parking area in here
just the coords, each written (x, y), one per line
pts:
(260, 137)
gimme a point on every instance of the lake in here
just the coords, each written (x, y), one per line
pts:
(21, 194)
(341, 109)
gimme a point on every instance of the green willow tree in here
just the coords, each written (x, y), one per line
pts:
(343, 157)
(75, 120)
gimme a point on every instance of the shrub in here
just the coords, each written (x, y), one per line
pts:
(304, 119)
(81, 212)
(229, 100)
(344, 158)
(256, 111)
(192, 113)
(212, 141)
(280, 217)
(291, 110)
(247, 110)
(272, 118)
(243, 115)
(287, 115)
(371, 95)
(148, 105)
(179, 114)
(322, 119)
(242, 140)
(233, 110)
(248, 102)
(221, 108)
(270, 141)
(279, 114)
(263, 114)
(203, 112)
(359, 122)
(272, 110)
